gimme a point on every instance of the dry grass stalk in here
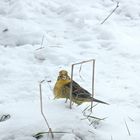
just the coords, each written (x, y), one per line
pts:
(41, 43)
(127, 128)
(88, 109)
(132, 120)
(86, 115)
(91, 132)
(80, 72)
(71, 86)
(41, 107)
(110, 13)
(92, 107)
(85, 109)
(93, 77)
(48, 82)
(72, 69)
(89, 117)
(40, 134)
(97, 118)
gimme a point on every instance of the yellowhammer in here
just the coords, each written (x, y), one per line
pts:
(79, 94)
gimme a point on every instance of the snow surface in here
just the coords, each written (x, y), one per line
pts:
(72, 32)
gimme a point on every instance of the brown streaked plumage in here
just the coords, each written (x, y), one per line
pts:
(79, 94)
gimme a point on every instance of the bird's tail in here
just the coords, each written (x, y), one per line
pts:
(99, 101)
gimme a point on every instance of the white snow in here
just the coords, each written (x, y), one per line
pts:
(71, 32)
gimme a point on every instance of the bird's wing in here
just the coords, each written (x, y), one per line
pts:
(78, 91)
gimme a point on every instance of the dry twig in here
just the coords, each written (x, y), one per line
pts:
(93, 106)
(127, 128)
(85, 109)
(80, 72)
(91, 132)
(41, 107)
(110, 13)
(40, 134)
(41, 43)
(48, 82)
(97, 118)
(132, 120)
(72, 69)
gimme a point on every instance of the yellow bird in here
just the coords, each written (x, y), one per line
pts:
(79, 94)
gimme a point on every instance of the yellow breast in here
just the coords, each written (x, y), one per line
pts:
(58, 88)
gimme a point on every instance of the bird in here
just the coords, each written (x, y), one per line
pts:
(79, 94)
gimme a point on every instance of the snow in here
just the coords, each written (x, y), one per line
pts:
(39, 38)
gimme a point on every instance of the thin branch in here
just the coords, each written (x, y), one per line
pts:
(127, 128)
(91, 132)
(110, 13)
(42, 81)
(86, 116)
(85, 109)
(93, 106)
(80, 72)
(41, 43)
(48, 82)
(71, 86)
(93, 71)
(41, 107)
(93, 117)
(97, 118)
(49, 85)
(40, 134)
(5, 30)
(72, 69)
(83, 62)
(4, 117)
(132, 120)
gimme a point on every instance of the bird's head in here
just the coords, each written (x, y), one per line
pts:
(63, 75)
